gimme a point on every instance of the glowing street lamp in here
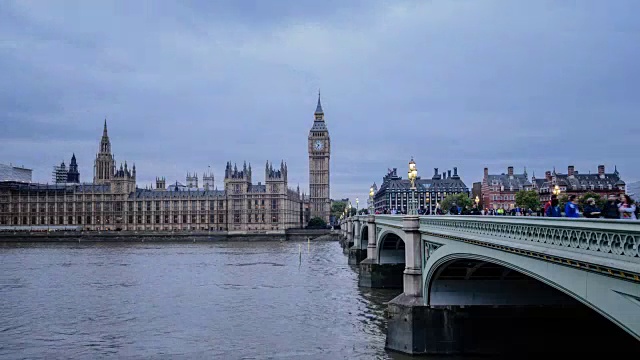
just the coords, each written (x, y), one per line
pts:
(556, 190)
(412, 175)
(477, 200)
(371, 193)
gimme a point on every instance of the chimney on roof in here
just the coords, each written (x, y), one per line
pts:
(486, 173)
(570, 170)
(547, 175)
(510, 170)
(455, 171)
(448, 174)
(601, 170)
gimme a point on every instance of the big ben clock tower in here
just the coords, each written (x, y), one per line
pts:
(319, 155)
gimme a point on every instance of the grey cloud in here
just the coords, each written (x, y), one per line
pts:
(185, 86)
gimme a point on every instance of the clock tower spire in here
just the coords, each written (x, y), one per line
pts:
(319, 174)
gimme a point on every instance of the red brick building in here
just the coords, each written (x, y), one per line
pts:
(574, 183)
(499, 191)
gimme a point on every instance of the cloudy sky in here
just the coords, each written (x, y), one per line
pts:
(191, 84)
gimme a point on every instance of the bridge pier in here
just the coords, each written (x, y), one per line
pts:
(349, 240)
(409, 320)
(373, 274)
(488, 330)
(356, 255)
(356, 252)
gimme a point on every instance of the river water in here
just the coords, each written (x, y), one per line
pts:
(227, 300)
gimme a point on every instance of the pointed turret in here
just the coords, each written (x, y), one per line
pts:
(319, 106)
(104, 130)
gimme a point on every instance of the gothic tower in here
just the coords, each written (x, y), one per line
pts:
(73, 175)
(319, 174)
(208, 181)
(192, 181)
(104, 166)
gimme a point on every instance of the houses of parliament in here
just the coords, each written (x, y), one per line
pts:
(112, 201)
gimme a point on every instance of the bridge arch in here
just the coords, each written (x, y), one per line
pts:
(364, 236)
(458, 260)
(391, 247)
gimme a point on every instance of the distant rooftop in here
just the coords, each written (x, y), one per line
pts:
(15, 173)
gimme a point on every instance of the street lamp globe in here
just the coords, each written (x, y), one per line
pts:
(412, 174)
(371, 192)
(477, 200)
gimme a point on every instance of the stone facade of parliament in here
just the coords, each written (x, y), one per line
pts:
(114, 202)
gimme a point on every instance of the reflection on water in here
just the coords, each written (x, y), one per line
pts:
(222, 300)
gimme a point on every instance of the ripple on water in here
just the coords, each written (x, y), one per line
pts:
(226, 300)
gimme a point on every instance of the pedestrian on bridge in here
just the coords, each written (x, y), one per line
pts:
(627, 208)
(553, 210)
(571, 208)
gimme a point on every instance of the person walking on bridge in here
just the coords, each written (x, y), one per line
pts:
(610, 208)
(548, 204)
(571, 208)
(627, 208)
(554, 209)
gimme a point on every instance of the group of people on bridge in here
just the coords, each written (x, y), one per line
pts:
(616, 207)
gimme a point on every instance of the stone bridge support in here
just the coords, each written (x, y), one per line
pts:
(349, 241)
(356, 252)
(382, 268)
(346, 231)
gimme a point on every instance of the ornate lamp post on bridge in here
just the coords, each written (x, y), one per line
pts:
(356, 206)
(412, 175)
(477, 201)
(371, 207)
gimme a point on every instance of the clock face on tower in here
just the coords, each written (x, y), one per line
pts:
(318, 145)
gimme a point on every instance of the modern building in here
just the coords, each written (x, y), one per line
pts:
(499, 190)
(574, 183)
(395, 193)
(114, 202)
(319, 147)
(14, 173)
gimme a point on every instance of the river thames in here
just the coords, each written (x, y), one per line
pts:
(226, 300)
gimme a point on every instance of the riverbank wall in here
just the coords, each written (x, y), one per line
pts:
(168, 236)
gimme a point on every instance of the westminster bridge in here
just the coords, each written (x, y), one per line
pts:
(463, 277)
